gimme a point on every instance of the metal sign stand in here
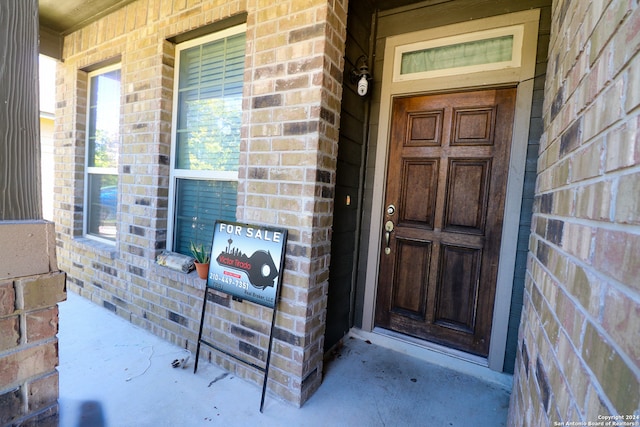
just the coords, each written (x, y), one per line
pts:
(232, 262)
(264, 370)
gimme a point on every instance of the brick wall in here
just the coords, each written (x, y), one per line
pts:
(578, 354)
(29, 325)
(288, 153)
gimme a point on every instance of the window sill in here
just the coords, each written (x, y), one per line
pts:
(189, 279)
(104, 249)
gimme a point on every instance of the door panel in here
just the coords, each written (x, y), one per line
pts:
(473, 126)
(455, 304)
(448, 164)
(424, 128)
(413, 260)
(417, 208)
(467, 193)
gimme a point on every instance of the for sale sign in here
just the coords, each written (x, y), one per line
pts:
(247, 261)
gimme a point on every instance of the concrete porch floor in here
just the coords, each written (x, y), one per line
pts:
(114, 374)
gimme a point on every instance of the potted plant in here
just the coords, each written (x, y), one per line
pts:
(202, 259)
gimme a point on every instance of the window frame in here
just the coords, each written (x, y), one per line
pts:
(174, 172)
(515, 31)
(95, 170)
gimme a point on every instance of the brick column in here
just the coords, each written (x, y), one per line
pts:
(30, 283)
(29, 323)
(289, 155)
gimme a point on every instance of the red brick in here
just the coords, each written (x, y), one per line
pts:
(7, 298)
(616, 254)
(9, 371)
(621, 319)
(42, 324)
(570, 318)
(28, 363)
(633, 30)
(11, 403)
(43, 392)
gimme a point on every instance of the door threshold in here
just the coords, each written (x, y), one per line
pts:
(459, 361)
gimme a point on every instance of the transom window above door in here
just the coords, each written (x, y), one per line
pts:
(487, 50)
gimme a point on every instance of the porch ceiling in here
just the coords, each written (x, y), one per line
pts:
(61, 17)
(66, 16)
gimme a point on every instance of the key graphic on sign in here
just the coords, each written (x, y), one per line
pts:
(259, 267)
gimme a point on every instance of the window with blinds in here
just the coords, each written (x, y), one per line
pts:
(103, 144)
(206, 136)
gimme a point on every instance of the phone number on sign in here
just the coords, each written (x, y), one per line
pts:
(240, 284)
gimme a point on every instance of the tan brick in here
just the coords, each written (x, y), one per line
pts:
(10, 336)
(291, 114)
(269, 43)
(260, 187)
(621, 319)
(633, 78)
(595, 407)
(256, 201)
(41, 291)
(295, 159)
(623, 145)
(628, 199)
(265, 130)
(575, 371)
(607, 111)
(618, 381)
(559, 174)
(565, 202)
(577, 240)
(290, 174)
(282, 204)
(587, 163)
(579, 284)
(594, 201)
(264, 159)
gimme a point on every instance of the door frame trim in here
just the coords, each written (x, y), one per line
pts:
(523, 78)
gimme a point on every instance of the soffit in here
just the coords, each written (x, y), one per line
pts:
(61, 17)
(67, 16)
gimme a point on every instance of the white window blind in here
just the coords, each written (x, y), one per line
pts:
(206, 148)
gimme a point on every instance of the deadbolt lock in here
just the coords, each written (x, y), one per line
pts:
(391, 209)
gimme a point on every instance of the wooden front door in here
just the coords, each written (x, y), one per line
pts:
(446, 183)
